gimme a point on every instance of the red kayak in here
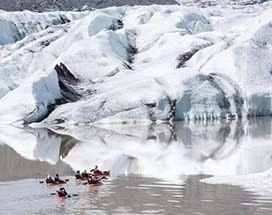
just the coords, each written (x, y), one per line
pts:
(105, 173)
(55, 183)
(80, 180)
(95, 184)
(66, 197)
(62, 197)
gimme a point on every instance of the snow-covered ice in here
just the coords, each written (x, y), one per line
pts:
(34, 97)
(136, 64)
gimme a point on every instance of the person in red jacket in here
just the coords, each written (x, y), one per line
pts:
(96, 170)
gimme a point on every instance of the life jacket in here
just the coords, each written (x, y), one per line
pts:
(62, 194)
(49, 180)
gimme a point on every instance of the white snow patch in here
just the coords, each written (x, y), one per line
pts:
(29, 102)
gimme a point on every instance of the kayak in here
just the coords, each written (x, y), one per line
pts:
(100, 174)
(95, 184)
(62, 197)
(55, 183)
(66, 197)
(81, 180)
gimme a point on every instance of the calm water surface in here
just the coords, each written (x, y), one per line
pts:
(155, 169)
(132, 194)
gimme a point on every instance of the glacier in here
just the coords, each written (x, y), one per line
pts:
(135, 64)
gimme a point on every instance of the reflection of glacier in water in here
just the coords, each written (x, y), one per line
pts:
(37, 144)
(163, 151)
(26, 153)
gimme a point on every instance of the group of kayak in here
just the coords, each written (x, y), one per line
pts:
(93, 178)
(54, 181)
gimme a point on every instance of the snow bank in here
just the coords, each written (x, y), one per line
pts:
(38, 45)
(9, 32)
(259, 183)
(87, 60)
(16, 25)
(128, 106)
(100, 22)
(30, 101)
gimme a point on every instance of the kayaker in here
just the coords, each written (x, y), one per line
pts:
(84, 175)
(93, 180)
(57, 179)
(78, 175)
(96, 170)
(49, 180)
(62, 192)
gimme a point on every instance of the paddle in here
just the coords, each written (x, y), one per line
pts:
(54, 194)
(65, 180)
(104, 177)
(72, 195)
(85, 183)
(75, 195)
